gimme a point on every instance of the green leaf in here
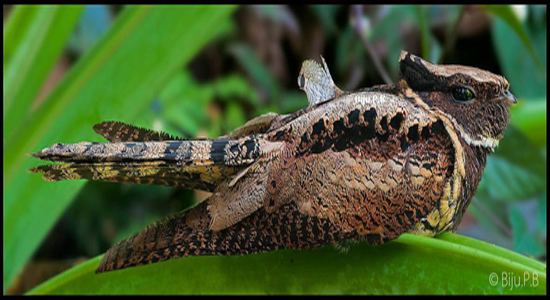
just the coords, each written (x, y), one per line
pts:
(18, 22)
(525, 239)
(541, 215)
(184, 102)
(507, 15)
(412, 264)
(527, 77)
(529, 117)
(292, 101)
(494, 250)
(425, 35)
(488, 214)
(349, 53)
(386, 30)
(235, 86)
(327, 15)
(115, 80)
(532, 158)
(184, 105)
(256, 70)
(234, 116)
(31, 57)
(506, 181)
(430, 47)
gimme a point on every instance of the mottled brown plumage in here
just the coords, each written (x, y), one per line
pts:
(367, 166)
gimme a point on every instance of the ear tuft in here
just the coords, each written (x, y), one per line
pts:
(403, 55)
(415, 71)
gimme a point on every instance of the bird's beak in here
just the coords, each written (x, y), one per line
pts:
(510, 97)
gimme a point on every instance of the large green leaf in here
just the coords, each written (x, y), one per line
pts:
(506, 14)
(521, 50)
(410, 265)
(18, 22)
(32, 50)
(115, 80)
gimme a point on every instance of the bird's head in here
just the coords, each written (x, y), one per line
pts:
(477, 101)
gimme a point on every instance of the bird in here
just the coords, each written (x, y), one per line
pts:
(353, 166)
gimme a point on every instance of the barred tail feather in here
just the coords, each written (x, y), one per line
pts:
(152, 172)
(237, 152)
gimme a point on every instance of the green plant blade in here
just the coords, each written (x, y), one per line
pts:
(37, 50)
(15, 27)
(410, 265)
(497, 251)
(115, 80)
(530, 118)
(526, 76)
(425, 35)
(506, 14)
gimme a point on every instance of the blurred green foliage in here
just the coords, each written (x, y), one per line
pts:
(170, 69)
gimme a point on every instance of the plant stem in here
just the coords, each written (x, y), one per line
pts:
(451, 37)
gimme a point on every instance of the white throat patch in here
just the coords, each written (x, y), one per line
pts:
(486, 142)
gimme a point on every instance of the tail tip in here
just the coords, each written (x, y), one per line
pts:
(48, 153)
(46, 172)
(39, 154)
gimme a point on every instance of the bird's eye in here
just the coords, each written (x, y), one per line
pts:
(462, 94)
(301, 81)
